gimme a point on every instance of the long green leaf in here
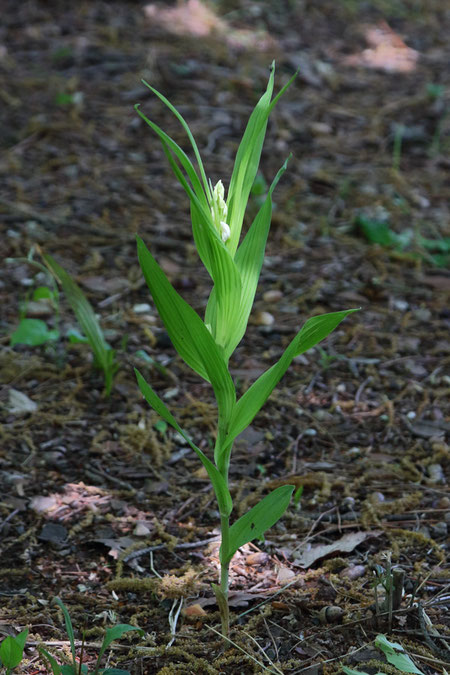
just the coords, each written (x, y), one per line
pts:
(185, 126)
(82, 308)
(188, 333)
(249, 259)
(181, 156)
(255, 522)
(54, 665)
(247, 159)
(313, 331)
(69, 627)
(220, 487)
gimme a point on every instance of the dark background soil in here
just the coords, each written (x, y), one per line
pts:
(360, 423)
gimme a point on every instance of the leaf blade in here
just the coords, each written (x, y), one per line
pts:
(260, 518)
(219, 484)
(313, 331)
(188, 333)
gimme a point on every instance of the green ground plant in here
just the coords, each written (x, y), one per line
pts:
(11, 651)
(207, 345)
(35, 332)
(78, 668)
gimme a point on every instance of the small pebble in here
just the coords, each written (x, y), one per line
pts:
(264, 319)
(436, 473)
(401, 305)
(348, 503)
(443, 503)
(272, 296)
(142, 308)
(353, 572)
(439, 530)
(141, 530)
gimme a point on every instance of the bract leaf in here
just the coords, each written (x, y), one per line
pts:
(188, 132)
(188, 333)
(247, 160)
(255, 522)
(313, 331)
(220, 487)
(249, 259)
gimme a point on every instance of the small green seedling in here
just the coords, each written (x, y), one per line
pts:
(11, 651)
(395, 655)
(33, 332)
(75, 668)
(105, 357)
(207, 345)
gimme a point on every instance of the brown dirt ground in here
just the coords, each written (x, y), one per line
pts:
(362, 424)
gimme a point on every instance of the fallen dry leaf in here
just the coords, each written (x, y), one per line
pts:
(307, 555)
(388, 52)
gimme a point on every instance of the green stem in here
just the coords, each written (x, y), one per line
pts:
(224, 572)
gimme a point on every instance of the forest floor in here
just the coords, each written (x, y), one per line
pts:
(100, 504)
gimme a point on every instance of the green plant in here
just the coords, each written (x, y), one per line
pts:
(75, 668)
(35, 332)
(206, 346)
(104, 355)
(395, 655)
(11, 651)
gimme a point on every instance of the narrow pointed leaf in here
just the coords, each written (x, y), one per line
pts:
(182, 157)
(220, 487)
(249, 259)
(82, 308)
(226, 295)
(188, 333)
(54, 665)
(69, 627)
(313, 331)
(185, 126)
(247, 159)
(115, 633)
(260, 518)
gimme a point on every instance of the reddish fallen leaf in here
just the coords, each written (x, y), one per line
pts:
(194, 611)
(258, 558)
(387, 51)
(307, 555)
(195, 19)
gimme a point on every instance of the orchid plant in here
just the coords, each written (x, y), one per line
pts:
(207, 345)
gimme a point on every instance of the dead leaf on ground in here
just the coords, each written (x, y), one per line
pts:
(307, 555)
(387, 51)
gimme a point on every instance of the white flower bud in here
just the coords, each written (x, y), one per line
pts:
(219, 210)
(224, 231)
